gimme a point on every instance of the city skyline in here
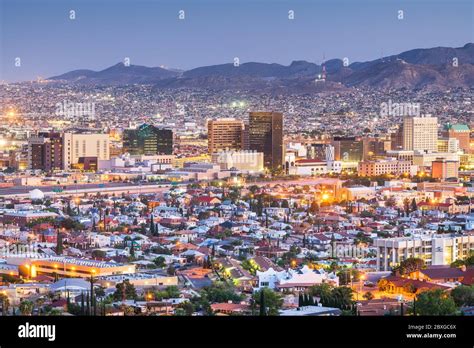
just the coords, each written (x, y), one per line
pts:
(277, 166)
(103, 34)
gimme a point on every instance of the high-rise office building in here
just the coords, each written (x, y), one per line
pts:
(266, 135)
(148, 140)
(81, 145)
(420, 133)
(396, 139)
(45, 151)
(348, 149)
(225, 134)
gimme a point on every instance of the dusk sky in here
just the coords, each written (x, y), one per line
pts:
(215, 31)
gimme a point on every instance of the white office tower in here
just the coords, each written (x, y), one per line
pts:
(420, 133)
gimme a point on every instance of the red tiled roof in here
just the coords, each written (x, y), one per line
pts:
(418, 284)
(468, 277)
(442, 272)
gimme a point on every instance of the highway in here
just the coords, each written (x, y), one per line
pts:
(80, 189)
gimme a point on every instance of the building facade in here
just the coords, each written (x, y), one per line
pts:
(420, 133)
(225, 135)
(148, 140)
(435, 249)
(389, 166)
(45, 151)
(82, 148)
(266, 136)
(444, 169)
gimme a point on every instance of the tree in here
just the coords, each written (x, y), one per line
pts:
(468, 261)
(5, 303)
(152, 226)
(263, 308)
(26, 307)
(268, 301)
(463, 295)
(341, 297)
(125, 288)
(435, 303)
(221, 292)
(414, 207)
(59, 244)
(406, 205)
(82, 304)
(368, 296)
(171, 270)
(160, 262)
(300, 300)
(187, 308)
(409, 265)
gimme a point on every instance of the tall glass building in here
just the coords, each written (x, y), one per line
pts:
(148, 140)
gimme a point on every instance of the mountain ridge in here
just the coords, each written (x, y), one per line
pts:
(433, 68)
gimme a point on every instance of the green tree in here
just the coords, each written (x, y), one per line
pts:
(409, 265)
(26, 307)
(221, 292)
(435, 303)
(463, 295)
(268, 301)
(152, 226)
(59, 244)
(125, 288)
(160, 262)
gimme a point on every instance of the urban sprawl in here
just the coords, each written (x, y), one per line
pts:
(131, 200)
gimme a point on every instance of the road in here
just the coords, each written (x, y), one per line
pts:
(79, 189)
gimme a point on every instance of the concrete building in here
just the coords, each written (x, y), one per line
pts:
(420, 133)
(45, 151)
(348, 149)
(434, 249)
(448, 145)
(312, 167)
(198, 171)
(73, 267)
(225, 134)
(78, 146)
(388, 166)
(245, 161)
(425, 160)
(460, 132)
(444, 169)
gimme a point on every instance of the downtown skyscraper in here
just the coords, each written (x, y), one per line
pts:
(265, 134)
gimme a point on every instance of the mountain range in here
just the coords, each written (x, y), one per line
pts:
(432, 68)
